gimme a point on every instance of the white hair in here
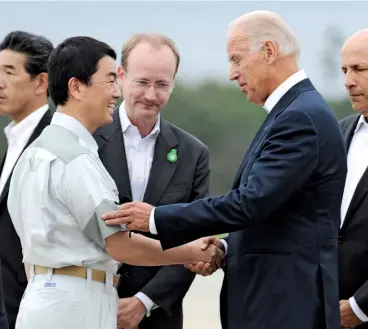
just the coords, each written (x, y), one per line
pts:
(261, 26)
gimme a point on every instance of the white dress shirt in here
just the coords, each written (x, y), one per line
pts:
(357, 164)
(282, 89)
(139, 153)
(58, 191)
(270, 103)
(18, 136)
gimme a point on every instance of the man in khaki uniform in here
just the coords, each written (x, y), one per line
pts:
(58, 193)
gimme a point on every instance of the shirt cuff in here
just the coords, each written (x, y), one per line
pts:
(152, 225)
(357, 310)
(225, 245)
(147, 302)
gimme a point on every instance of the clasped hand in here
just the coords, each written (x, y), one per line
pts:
(218, 255)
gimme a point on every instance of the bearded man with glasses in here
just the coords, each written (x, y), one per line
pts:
(151, 160)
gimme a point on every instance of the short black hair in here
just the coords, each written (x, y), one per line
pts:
(76, 57)
(36, 48)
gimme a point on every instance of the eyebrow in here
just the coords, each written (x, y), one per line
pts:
(354, 66)
(112, 75)
(9, 67)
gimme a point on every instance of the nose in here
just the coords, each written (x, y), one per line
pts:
(233, 74)
(150, 93)
(2, 81)
(350, 80)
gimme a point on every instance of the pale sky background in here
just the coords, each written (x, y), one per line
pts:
(198, 28)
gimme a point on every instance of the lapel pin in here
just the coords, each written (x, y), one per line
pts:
(172, 156)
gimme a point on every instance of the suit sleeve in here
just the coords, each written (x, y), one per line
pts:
(288, 157)
(361, 298)
(171, 283)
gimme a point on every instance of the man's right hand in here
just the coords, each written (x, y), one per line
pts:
(214, 245)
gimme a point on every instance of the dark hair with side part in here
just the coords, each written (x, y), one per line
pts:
(36, 48)
(75, 57)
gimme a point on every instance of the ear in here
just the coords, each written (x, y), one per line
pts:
(271, 51)
(76, 89)
(42, 81)
(121, 75)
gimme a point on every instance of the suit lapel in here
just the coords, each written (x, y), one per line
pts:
(45, 121)
(2, 162)
(281, 105)
(262, 130)
(162, 170)
(359, 194)
(348, 130)
(362, 187)
(113, 156)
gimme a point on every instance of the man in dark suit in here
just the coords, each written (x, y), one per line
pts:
(153, 161)
(283, 211)
(353, 247)
(23, 98)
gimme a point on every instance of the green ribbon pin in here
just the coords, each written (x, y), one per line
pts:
(172, 156)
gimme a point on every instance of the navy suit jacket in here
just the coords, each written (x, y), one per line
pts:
(284, 213)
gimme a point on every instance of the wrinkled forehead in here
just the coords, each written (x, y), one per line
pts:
(12, 59)
(236, 37)
(153, 70)
(354, 53)
(152, 63)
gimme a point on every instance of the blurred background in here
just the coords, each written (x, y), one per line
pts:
(204, 102)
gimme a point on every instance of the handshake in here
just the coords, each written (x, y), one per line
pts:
(216, 249)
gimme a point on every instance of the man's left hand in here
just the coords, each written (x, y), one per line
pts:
(131, 312)
(135, 215)
(348, 319)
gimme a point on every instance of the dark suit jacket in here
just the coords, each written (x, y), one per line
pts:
(185, 180)
(14, 279)
(3, 316)
(281, 265)
(353, 241)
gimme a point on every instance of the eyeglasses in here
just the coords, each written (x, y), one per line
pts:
(161, 87)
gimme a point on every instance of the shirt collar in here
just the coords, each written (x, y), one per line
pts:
(73, 125)
(126, 123)
(361, 123)
(282, 89)
(18, 132)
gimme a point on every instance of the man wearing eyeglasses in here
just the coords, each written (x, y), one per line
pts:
(151, 160)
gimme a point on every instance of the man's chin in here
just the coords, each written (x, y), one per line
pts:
(108, 120)
(4, 110)
(359, 108)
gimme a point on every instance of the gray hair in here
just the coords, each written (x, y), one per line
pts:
(264, 26)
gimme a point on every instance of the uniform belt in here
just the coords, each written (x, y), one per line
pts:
(77, 271)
